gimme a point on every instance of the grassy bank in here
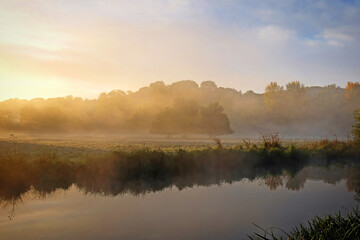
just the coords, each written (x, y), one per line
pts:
(335, 227)
(139, 170)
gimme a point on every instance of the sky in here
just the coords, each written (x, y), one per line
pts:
(51, 48)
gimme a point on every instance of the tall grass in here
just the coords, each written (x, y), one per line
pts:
(332, 226)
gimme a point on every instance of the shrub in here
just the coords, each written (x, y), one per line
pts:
(271, 140)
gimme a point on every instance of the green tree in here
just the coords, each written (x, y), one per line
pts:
(352, 93)
(356, 127)
(213, 121)
(139, 121)
(274, 102)
(181, 119)
(295, 88)
(165, 123)
(186, 116)
(273, 95)
(294, 101)
(208, 85)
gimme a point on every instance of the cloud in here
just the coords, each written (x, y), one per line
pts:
(313, 42)
(331, 37)
(125, 45)
(337, 35)
(275, 34)
(335, 43)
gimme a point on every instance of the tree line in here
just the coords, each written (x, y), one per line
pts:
(186, 107)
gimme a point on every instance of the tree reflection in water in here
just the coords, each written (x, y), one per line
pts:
(152, 171)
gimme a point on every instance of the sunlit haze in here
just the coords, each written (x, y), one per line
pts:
(179, 119)
(56, 47)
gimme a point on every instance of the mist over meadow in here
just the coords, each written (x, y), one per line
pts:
(186, 108)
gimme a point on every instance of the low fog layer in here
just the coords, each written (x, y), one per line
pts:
(185, 108)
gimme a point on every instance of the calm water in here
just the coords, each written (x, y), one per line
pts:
(219, 211)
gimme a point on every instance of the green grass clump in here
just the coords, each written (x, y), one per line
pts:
(335, 227)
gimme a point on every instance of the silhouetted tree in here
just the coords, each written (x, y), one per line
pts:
(273, 95)
(139, 121)
(186, 116)
(210, 85)
(353, 93)
(165, 123)
(213, 121)
(356, 127)
(295, 95)
(274, 101)
(295, 87)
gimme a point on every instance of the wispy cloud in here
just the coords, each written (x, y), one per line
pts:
(119, 44)
(333, 34)
(275, 34)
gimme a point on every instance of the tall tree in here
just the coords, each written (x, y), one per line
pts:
(186, 116)
(356, 127)
(295, 88)
(274, 101)
(352, 93)
(213, 121)
(165, 123)
(272, 95)
(295, 95)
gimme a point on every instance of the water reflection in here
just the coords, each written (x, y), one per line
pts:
(110, 178)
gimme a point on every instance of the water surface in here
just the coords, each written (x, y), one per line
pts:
(213, 210)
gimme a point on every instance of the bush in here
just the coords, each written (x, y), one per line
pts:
(271, 140)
